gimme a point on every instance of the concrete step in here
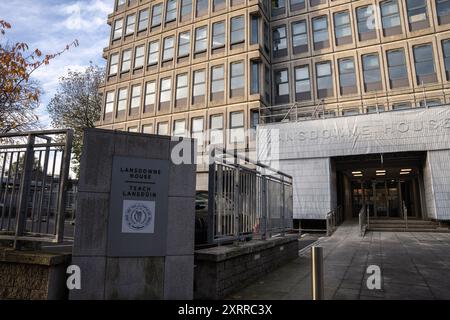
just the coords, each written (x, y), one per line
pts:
(395, 229)
(396, 221)
(412, 225)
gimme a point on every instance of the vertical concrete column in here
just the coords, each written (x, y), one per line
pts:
(119, 264)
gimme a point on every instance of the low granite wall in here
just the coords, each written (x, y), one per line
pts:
(32, 275)
(220, 271)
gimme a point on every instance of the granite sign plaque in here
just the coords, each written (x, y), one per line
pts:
(139, 204)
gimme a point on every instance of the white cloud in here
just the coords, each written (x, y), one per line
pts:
(86, 15)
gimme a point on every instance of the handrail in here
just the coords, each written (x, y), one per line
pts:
(363, 220)
(333, 220)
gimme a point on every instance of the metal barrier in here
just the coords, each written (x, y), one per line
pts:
(334, 219)
(363, 220)
(247, 199)
(34, 170)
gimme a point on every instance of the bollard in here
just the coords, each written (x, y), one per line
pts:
(317, 285)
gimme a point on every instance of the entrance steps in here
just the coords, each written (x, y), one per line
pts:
(413, 225)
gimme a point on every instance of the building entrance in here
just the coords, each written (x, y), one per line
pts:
(390, 185)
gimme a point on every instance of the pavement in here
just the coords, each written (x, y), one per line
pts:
(414, 266)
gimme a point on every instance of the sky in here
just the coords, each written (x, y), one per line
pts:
(50, 25)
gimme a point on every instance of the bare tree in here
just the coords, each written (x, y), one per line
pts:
(77, 105)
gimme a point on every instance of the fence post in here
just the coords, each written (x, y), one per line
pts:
(265, 209)
(25, 185)
(237, 202)
(211, 196)
(317, 283)
(283, 233)
(65, 168)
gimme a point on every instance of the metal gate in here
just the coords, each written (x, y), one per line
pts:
(247, 199)
(34, 170)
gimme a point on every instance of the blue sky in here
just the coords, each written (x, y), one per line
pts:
(51, 24)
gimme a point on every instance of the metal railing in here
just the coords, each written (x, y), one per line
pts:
(247, 199)
(297, 112)
(34, 170)
(334, 219)
(363, 220)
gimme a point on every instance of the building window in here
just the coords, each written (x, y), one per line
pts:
(165, 93)
(267, 85)
(217, 83)
(401, 106)
(320, 33)
(134, 129)
(120, 3)
(143, 20)
(347, 76)
(443, 11)
(219, 5)
(375, 109)
(168, 48)
(278, 7)
(118, 29)
(424, 64)
(324, 80)
(302, 83)
(153, 53)
(139, 58)
(197, 132)
(109, 102)
(147, 129)
(254, 122)
(135, 103)
(218, 36)
(417, 14)
(390, 18)
(446, 50)
(126, 61)
(342, 28)
(430, 103)
(114, 64)
(156, 15)
(163, 128)
(237, 127)
(299, 37)
(131, 25)
(371, 72)
(398, 75)
(150, 96)
(297, 5)
(171, 11)
(216, 129)
(186, 10)
(254, 36)
(314, 3)
(179, 128)
(201, 36)
(266, 31)
(237, 30)
(281, 86)
(122, 101)
(366, 23)
(202, 8)
(237, 79)
(182, 90)
(254, 77)
(199, 89)
(184, 44)
(279, 38)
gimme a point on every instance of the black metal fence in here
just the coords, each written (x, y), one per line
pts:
(247, 199)
(34, 172)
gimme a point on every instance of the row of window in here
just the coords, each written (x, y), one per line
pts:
(418, 18)
(216, 131)
(183, 48)
(397, 69)
(161, 13)
(417, 9)
(189, 89)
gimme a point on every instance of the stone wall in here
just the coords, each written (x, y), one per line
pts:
(32, 275)
(220, 271)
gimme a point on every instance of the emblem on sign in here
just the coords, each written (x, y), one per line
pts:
(138, 216)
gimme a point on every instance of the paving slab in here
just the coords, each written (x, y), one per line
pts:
(414, 265)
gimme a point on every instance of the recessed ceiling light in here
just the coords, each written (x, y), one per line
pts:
(406, 170)
(357, 172)
(381, 174)
(404, 173)
(381, 171)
